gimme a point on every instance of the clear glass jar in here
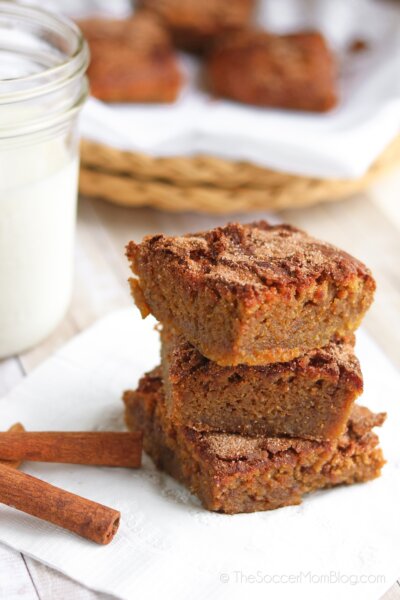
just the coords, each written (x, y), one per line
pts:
(43, 59)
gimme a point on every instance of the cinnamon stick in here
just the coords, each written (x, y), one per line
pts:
(88, 519)
(103, 448)
(15, 464)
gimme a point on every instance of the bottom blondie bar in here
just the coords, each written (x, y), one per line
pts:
(232, 473)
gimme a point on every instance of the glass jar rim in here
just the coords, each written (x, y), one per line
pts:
(48, 79)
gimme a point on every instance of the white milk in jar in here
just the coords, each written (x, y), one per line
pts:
(37, 223)
(42, 88)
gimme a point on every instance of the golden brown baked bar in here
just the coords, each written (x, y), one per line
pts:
(252, 294)
(194, 25)
(232, 473)
(309, 397)
(295, 71)
(132, 60)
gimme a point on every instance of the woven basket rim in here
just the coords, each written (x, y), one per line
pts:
(210, 184)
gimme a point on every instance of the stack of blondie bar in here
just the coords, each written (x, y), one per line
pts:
(253, 404)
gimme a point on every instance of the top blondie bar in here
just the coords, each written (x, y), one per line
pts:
(250, 294)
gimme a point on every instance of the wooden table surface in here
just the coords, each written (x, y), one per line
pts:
(368, 226)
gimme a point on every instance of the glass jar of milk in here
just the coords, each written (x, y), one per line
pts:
(43, 59)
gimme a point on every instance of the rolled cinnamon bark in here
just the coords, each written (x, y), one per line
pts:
(88, 519)
(17, 427)
(103, 448)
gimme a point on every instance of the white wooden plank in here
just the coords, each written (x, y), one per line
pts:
(386, 196)
(11, 372)
(92, 219)
(15, 581)
(99, 288)
(52, 585)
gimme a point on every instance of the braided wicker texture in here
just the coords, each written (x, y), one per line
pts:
(210, 185)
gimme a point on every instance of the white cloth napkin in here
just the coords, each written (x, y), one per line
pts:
(339, 144)
(342, 543)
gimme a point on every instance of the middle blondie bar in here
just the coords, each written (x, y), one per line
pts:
(309, 397)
